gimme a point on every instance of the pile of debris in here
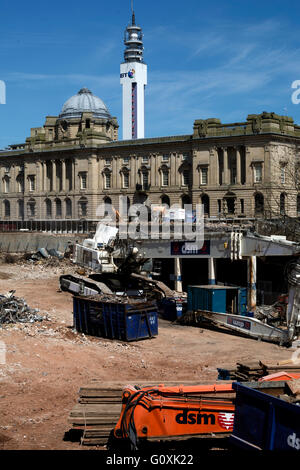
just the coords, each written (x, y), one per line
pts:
(245, 372)
(15, 310)
(44, 254)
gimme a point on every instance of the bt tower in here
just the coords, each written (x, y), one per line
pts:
(133, 78)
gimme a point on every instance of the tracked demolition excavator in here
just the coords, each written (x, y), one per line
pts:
(116, 267)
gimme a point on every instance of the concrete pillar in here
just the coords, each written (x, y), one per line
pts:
(251, 283)
(238, 166)
(211, 271)
(177, 270)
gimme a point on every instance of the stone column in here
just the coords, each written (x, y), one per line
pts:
(225, 166)
(238, 166)
(44, 176)
(63, 175)
(249, 170)
(53, 175)
(74, 176)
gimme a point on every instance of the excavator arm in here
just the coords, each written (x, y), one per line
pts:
(175, 412)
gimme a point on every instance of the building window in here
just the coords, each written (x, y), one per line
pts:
(145, 159)
(87, 123)
(282, 175)
(258, 173)
(165, 178)
(282, 204)
(82, 208)
(83, 181)
(205, 202)
(145, 178)
(48, 208)
(298, 205)
(20, 183)
(58, 208)
(126, 160)
(31, 208)
(185, 156)
(165, 157)
(107, 180)
(6, 209)
(204, 175)
(125, 180)
(6, 182)
(259, 203)
(185, 178)
(21, 208)
(31, 179)
(242, 206)
(108, 161)
(68, 208)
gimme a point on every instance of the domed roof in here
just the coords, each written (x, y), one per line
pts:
(84, 101)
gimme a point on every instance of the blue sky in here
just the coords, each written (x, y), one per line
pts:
(223, 59)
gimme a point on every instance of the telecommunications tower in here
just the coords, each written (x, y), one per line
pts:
(133, 78)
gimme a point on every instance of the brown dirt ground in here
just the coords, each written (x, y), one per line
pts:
(47, 363)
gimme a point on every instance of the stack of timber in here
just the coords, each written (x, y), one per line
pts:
(249, 371)
(97, 412)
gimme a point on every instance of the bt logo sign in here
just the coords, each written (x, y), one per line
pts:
(130, 74)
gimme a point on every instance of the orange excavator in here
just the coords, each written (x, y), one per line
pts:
(160, 412)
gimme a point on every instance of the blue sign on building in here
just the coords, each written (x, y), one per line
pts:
(190, 248)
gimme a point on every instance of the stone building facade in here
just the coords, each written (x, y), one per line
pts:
(75, 162)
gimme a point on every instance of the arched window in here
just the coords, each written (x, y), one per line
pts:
(259, 203)
(82, 207)
(31, 208)
(20, 183)
(185, 199)
(58, 207)
(205, 202)
(21, 208)
(107, 206)
(48, 208)
(165, 200)
(6, 184)
(68, 203)
(107, 178)
(282, 203)
(6, 208)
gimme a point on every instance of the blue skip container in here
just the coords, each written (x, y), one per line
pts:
(125, 321)
(263, 421)
(172, 308)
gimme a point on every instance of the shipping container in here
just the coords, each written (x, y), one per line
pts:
(215, 298)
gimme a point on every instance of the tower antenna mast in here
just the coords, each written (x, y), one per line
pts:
(132, 12)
